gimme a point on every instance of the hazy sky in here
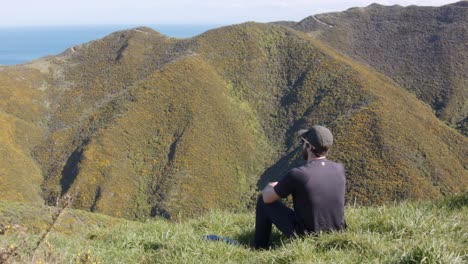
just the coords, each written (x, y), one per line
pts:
(63, 12)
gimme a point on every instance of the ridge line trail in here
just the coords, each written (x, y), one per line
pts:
(321, 22)
(141, 31)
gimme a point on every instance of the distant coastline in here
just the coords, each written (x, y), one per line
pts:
(22, 44)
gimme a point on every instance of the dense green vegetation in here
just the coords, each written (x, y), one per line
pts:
(138, 125)
(421, 48)
(363, 108)
(395, 233)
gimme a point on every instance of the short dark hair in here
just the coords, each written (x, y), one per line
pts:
(321, 151)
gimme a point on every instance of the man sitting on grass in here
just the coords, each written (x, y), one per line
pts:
(317, 189)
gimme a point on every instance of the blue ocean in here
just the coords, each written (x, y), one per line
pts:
(22, 44)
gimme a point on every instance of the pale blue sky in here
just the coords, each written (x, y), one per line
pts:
(86, 12)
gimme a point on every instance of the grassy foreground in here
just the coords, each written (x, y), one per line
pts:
(421, 232)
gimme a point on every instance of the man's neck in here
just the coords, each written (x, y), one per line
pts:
(313, 157)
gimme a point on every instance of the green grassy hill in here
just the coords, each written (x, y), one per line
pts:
(399, 233)
(381, 130)
(421, 48)
(138, 125)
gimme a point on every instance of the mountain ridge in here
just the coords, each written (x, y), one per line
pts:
(421, 48)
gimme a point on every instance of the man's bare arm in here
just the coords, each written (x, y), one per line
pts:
(269, 194)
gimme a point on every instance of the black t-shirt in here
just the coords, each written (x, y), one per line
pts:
(318, 191)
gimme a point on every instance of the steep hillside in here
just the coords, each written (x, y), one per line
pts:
(137, 124)
(182, 146)
(421, 48)
(22, 105)
(381, 130)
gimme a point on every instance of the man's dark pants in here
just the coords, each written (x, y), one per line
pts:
(275, 213)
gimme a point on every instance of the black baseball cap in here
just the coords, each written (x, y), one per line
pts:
(318, 136)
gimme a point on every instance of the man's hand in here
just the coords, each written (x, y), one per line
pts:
(269, 194)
